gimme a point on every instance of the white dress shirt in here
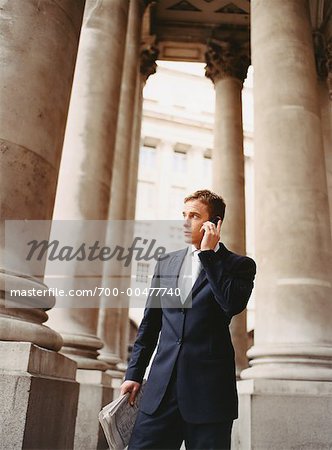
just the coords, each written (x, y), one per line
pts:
(190, 270)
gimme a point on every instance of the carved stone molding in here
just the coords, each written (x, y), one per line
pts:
(184, 5)
(148, 65)
(226, 59)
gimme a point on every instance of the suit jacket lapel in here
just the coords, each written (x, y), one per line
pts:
(202, 278)
(200, 282)
(174, 266)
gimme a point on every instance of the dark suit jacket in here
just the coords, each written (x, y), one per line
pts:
(197, 339)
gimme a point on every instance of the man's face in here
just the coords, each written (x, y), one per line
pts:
(195, 213)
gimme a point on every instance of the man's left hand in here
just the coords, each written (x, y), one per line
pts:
(211, 235)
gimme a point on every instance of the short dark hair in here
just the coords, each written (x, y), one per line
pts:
(215, 204)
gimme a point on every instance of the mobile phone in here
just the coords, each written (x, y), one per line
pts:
(215, 220)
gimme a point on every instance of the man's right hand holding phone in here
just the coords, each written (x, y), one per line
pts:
(211, 233)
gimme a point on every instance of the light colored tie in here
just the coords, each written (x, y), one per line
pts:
(196, 266)
(188, 280)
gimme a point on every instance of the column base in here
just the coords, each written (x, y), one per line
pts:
(110, 358)
(95, 392)
(290, 362)
(14, 329)
(83, 349)
(122, 367)
(279, 414)
(22, 317)
(39, 397)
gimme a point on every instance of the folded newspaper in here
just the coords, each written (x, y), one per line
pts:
(117, 420)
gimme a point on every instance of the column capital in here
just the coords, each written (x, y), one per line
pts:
(148, 65)
(226, 59)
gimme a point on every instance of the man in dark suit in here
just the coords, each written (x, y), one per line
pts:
(191, 392)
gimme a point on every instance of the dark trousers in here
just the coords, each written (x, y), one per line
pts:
(166, 429)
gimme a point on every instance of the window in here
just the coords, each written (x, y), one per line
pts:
(148, 152)
(147, 158)
(180, 158)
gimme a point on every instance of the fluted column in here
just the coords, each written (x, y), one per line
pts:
(148, 67)
(227, 65)
(110, 318)
(86, 170)
(126, 117)
(38, 50)
(114, 323)
(293, 334)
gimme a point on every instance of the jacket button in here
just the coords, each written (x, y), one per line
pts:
(179, 341)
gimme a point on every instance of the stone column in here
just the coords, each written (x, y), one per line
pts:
(109, 324)
(325, 96)
(291, 366)
(126, 117)
(38, 50)
(84, 191)
(148, 67)
(227, 65)
(38, 108)
(86, 167)
(293, 339)
(113, 325)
